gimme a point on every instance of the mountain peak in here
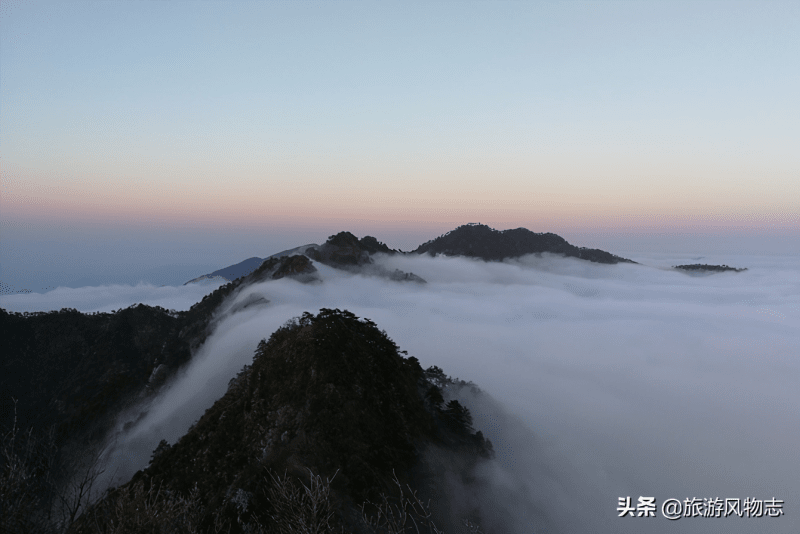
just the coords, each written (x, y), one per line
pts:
(329, 393)
(481, 241)
(346, 250)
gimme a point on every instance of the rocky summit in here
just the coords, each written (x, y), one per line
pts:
(344, 249)
(347, 252)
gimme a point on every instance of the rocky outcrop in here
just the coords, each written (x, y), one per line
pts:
(401, 276)
(342, 250)
(346, 251)
(297, 267)
(373, 246)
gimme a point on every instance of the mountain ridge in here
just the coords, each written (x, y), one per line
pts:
(346, 251)
(327, 395)
(245, 267)
(330, 393)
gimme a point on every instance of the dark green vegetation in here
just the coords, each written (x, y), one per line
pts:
(481, 241)
(328, 393)
(327, 396)
(73, 370)
(702, 267)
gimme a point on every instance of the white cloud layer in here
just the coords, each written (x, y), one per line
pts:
(109, 298)
(616, 380)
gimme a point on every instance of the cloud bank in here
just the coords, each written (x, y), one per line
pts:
(605, 381)
(109, 297)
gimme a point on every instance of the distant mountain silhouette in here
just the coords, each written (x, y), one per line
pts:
(243, 268)
(481, 241)
(703, 267)
(345, 251)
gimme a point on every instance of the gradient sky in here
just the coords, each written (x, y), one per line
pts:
(206, 132)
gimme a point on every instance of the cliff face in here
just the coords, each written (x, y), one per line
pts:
(481, 241)
(329, 393)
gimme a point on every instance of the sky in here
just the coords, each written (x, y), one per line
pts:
(603, 381)
(156, 141)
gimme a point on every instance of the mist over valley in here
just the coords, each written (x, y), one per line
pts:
(598, 380)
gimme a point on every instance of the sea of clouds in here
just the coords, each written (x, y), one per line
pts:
(109, 298)
(604, 381)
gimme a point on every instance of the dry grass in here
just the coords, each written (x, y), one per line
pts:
(298, 508)
(135, 509)
(25, 480)
(295, 507)
(405, 513)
